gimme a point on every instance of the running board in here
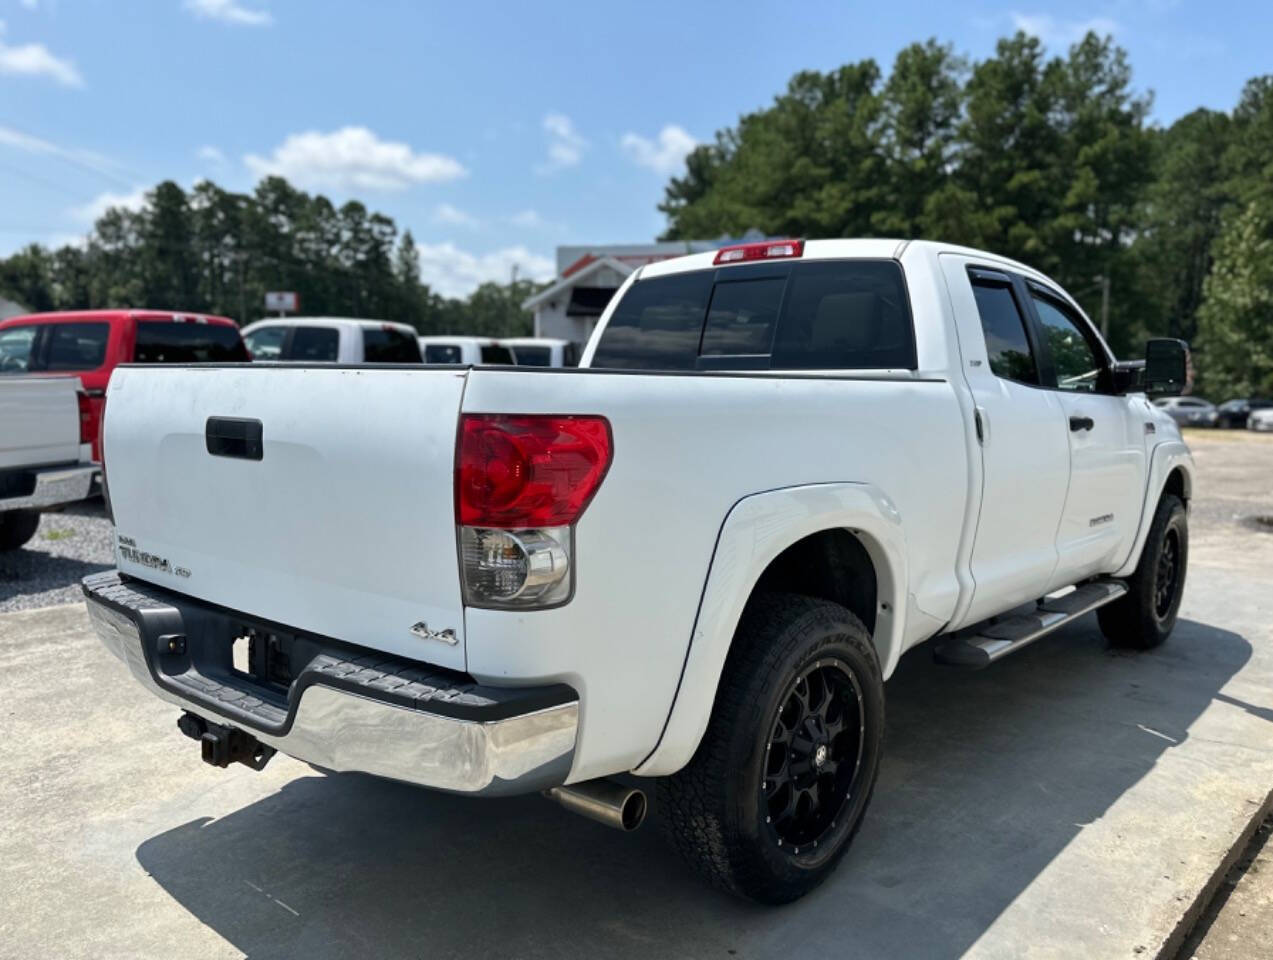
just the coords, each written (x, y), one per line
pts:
(980, 646)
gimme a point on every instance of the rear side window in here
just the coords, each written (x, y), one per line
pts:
(315, 344)
(161, 341)
(75, 346)
(494, 353)
(819, 315)
(15, 348)
(657, 324)
(442, 353)
(389, 345)
(1006, 343)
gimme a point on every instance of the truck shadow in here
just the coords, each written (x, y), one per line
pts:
(987, 777)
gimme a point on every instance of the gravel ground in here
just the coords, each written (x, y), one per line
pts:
(69, 545)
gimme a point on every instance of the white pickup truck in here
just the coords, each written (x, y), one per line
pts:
(696, 558)
(45, 457)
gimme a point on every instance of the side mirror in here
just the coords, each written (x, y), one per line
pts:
(1167, 372)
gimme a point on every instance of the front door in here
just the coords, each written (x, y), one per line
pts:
(1106, 440)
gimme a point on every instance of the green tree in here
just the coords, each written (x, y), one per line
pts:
(1235, 321)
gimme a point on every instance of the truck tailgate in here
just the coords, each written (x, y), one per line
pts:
(39, 421)
(344, 526)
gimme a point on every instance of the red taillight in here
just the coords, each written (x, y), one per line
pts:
(518, 471)
(768, 250)
(88, 421)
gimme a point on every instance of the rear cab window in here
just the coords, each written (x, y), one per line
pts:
(815, 315)
(163, 341)
(389, 345)
(313, 344)
(266, 343)
(442, 353)
(534, 356)
(493, 353)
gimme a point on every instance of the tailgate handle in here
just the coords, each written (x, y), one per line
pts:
(235, 437)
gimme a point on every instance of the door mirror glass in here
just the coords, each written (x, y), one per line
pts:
(1166, 368)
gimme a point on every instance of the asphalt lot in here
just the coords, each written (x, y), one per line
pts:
(1070, 801)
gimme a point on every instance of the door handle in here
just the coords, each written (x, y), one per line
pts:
(1081, 423)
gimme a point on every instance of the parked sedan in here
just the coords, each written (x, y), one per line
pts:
(1234, 413)
(1189, 411)
(1261, 419)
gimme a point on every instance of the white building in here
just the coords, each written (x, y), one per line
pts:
(587, 278)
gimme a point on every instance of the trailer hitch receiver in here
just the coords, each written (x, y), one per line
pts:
(221, 745)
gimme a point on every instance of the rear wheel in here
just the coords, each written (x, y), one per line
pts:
(17, 527)
(1145, 617)
(782, 778)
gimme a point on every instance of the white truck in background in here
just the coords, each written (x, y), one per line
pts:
(696, 558)
(45, 459)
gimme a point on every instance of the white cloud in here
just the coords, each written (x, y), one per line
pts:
(666, 154)
(453, 272)
(1060, 34)
(565, 144)
(211, 154)
(35, 60)
(30, 4)
(353, 158)
(9, 137)
(90, 211)
(527, 218)
(228, 11)
(445, 213)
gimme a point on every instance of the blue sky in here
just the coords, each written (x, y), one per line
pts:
(494, 132)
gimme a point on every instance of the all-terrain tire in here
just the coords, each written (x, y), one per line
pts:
(1146, 615)
(17, 527)
(715, 811)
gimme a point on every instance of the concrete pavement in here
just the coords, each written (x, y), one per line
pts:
(1068, 802)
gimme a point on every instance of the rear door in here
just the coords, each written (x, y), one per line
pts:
(1106, 440)
(340, 522)
(1024, 448)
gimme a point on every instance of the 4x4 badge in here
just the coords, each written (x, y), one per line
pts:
(421, 630)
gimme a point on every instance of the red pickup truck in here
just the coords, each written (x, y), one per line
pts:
(89, 344)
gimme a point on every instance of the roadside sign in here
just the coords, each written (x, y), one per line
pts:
(283, 301)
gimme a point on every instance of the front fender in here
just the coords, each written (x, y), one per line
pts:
(1166, 457)
(757, 529)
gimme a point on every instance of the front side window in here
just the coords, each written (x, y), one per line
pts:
(1077, 368)
(1007, 346)
(267, 342)
(15, 348)
(315, 345)
(389, 345)
(76, 346)
(162, 341)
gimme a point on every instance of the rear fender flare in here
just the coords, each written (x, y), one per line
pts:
(757, 529)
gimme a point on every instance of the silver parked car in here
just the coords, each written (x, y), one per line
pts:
(1261, 419)
(1189, 411)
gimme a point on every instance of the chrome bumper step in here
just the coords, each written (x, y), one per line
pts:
(982, 645)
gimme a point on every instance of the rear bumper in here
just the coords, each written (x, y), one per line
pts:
(346, 709)
(52, 487)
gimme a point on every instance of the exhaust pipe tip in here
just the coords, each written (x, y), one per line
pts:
(609, 802)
